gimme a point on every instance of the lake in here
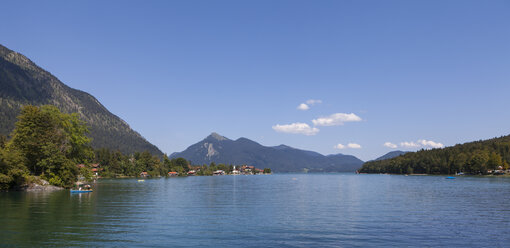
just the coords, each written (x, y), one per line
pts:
(280, 210)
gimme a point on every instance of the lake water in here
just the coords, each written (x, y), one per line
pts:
(281, 210)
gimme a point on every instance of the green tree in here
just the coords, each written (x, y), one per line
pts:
(3, 141)
(183, 163)
(494, 161)
(13, 171)
(51, 143)
(478, 162)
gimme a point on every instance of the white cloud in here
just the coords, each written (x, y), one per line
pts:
(340, 146)
(297, 128)
(390, 145)
(350, 145)
(430, 143)
(421, 143)
(303, 106)
(313, 102)
(336, 119)
(307, 104)
(354, 146)
(409, 144)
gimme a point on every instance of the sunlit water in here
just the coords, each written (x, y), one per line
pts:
(281, 210)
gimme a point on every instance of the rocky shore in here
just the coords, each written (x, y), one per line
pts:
(40, 185)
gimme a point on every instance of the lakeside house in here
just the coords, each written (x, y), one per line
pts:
(144, 174)
(226, 170)
(94, 168)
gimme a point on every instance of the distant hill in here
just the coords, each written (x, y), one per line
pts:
(478, 157)
(389, 155)
(282, 158)
(22, 82)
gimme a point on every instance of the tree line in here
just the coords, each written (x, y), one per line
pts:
(48, 144)
(479, 157)
(115, 164)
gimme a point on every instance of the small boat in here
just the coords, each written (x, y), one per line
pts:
(141, 180)
(74, 191)
(450, 177)
(82, 188)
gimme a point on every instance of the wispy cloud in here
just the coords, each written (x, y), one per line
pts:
(306, 105)
(296, 128)
(390, 145)
(350, 145)
(336, 119)
(420, 143)
(313, 102)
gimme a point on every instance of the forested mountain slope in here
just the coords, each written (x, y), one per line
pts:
(22, 82)
(475, 158)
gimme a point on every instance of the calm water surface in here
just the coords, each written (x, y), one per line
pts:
(282, 210)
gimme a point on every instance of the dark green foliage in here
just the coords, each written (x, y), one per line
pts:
(3, 141)
(116, 164)
(474, 158)
(13, 171)
(24, 83)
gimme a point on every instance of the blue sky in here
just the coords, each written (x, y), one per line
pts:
(416, 74)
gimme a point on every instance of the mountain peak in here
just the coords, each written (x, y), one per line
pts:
(282, 158)
(337, 154)
(282, 146)
(216, 136)
(391, 154)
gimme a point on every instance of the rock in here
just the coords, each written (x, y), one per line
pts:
(41, 185)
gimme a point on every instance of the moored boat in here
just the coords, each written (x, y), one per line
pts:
(82, 188)
(74, 191)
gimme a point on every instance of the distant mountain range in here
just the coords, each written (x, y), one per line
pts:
(22, 82)
(282, 158)
(389, 155)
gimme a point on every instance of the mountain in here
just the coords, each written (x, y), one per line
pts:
(478, 157)
(22, 82)
(282, 158)
(390, 155)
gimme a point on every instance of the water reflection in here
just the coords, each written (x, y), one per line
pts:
(263, 211)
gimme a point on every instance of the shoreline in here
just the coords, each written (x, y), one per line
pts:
(396, 174)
